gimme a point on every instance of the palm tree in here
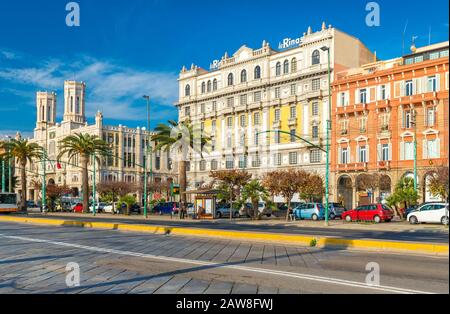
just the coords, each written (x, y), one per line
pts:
(183, 138)
(255, 192)
(84, 146)
(23, 152)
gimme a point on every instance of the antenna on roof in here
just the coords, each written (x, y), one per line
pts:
(403, 38)
(429, 36)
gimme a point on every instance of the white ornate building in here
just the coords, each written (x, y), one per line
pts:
(128, 145)
(246, 98)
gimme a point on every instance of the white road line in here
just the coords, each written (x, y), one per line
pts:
(328, 280)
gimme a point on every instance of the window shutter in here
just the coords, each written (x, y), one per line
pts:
(367, 153)
(402, 150)
(402, 88)
(397, 91)
(438, 148)
(390, 151)
(418, 86)
(424, 149)
(438, 82)
(402, 113)
(379, 152)
(372, 94)
(339, 155)
(388, 91)
(357, 97)
(357, 153)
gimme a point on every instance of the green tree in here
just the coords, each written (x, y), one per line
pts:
(404, 195)
(312, 188)
(84, 146)
(285, 183)
(129, 200)
(183, 138)
(255, 192)
(439, 182)
(234, 180)
(109, 191)
(23, 152)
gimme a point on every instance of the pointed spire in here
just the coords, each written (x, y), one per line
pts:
(323, 26)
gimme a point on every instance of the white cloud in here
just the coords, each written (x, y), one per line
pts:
(115, 89)
(9, 55)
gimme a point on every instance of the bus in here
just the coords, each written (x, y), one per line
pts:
(8, 203)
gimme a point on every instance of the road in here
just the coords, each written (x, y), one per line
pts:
(413, 234)
(33, 259)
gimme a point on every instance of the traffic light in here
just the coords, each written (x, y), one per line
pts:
(175, 189)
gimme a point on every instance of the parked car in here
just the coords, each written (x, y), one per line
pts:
(165, 208)
(314, 211)
(263, 209)
(135, 209)
(99, 207)
(429, 213)
(31, 204)
(335, 210)
(223, 211)
(190, 209)
(78, 208)
(373, 212)
(108, 208)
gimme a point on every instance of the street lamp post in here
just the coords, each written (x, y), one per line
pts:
(9, 171)
(94, 190)
(44, 176)
(147, 143)
(327, 176)
(3, 176)
(415, 149)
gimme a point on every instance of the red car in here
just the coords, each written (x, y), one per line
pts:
(78, 208)
(373, 212)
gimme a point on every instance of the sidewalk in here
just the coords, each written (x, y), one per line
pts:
(320, 237)
(396, 225)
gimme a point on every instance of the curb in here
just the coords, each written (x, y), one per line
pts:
(321, 242)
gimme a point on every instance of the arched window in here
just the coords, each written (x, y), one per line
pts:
(257, 72)
(286, 67)
(230, 79)
(315, 57)
(294, 65)
(215, 85)
(209, 86)
(187, 91)
(203, 87)
(243, 76)
(278, 69)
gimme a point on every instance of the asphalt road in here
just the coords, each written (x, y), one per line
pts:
(413, 235)
(33, 259)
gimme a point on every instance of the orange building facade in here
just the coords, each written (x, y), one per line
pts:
(379, 111)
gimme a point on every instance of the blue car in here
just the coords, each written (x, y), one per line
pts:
(313, 211)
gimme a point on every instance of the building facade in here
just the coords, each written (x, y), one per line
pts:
(128, 146)
(256, 104)
(379, 111)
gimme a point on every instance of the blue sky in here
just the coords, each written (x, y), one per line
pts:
(124, 49)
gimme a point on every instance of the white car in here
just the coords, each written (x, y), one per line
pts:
(109, 208)
(99, 207)
(429, 213)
